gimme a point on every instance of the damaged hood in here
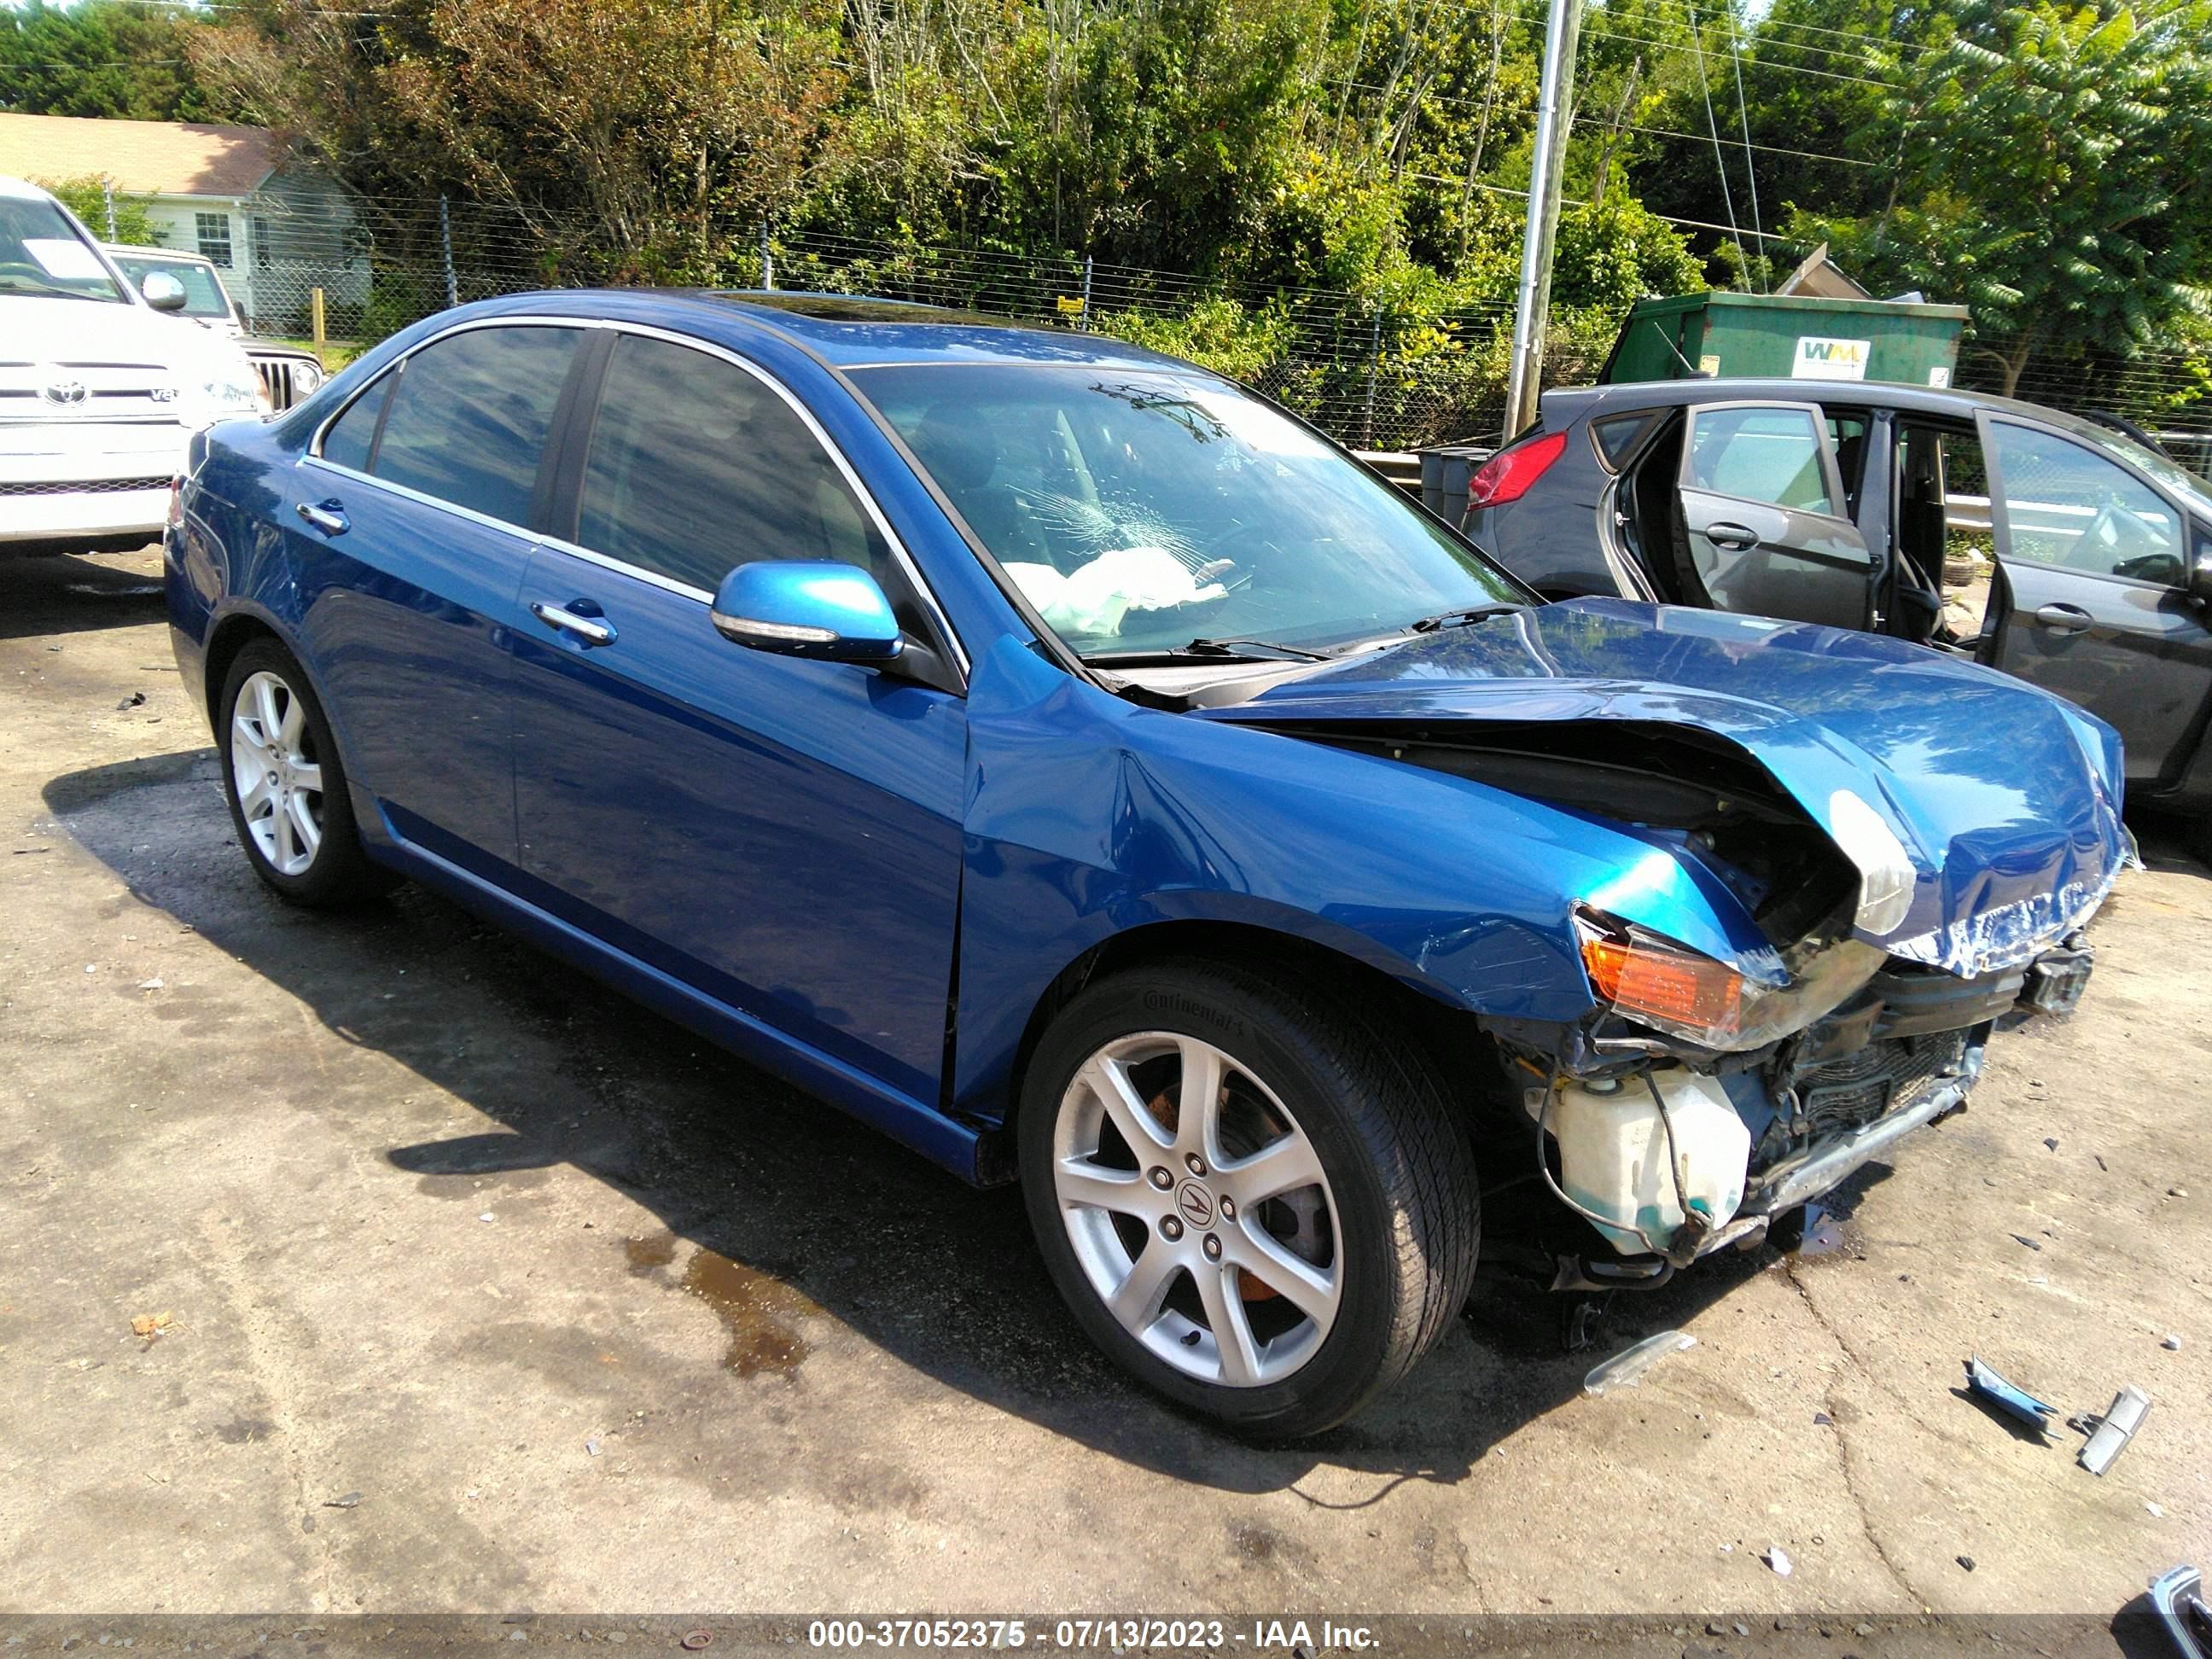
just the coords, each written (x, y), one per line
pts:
(2005, 799)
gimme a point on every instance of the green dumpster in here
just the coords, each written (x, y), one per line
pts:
(1787, 337)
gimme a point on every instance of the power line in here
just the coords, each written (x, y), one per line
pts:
(1587, 119)
(1743, 114)
(1786, 68)
(1720, 161)
(1664, 218)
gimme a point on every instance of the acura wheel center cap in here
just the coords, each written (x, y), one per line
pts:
(1194, 1204)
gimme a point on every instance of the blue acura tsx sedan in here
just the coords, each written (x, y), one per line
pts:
(1076, 767)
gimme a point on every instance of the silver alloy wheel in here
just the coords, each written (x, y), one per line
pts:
(278, 783)
(1219, 1249)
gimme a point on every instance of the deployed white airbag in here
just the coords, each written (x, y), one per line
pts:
(1095, 598)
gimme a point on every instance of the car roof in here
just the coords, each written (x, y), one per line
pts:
(843, 329)
(1564, 406)
(137, 251)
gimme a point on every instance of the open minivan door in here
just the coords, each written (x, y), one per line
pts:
(2094, 598)
(1762, 526)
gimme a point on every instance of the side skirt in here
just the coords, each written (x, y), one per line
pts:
(904, 1119)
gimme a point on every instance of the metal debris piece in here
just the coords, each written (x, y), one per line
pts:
(2022, 1238)
(1985, 1384)
(351, 1500)
(2178, 1596)
(130, 701)
(2114, 1429)
(1625, 1368)
(1965, 1561)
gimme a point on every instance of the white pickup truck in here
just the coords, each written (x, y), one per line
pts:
(99, 390)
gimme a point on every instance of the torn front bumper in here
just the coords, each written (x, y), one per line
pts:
(1904, 1055)
(1828, 1163)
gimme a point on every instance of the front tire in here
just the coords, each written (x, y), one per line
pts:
(286, 787)
(1262, 1210)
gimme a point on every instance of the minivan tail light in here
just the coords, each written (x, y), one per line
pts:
(1506, 475)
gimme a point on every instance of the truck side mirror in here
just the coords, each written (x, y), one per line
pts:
(163, 292)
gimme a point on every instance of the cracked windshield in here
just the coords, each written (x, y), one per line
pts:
(1146, 513)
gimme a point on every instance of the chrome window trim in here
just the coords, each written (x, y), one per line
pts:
(314, 451)
(636, 572)
(705, 348)
(406, 493)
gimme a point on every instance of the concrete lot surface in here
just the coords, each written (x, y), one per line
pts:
(589, 1316)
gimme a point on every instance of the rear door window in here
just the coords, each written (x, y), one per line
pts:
(1770, 455)
(351, 439)
(696, 466)
(470, 416)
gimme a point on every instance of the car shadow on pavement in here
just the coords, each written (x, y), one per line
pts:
(57, 594)
(773, 1206)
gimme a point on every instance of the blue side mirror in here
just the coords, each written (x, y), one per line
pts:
(835, 612)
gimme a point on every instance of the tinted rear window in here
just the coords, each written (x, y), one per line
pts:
(470, 416)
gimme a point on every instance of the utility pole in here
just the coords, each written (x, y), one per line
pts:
(1533, 300)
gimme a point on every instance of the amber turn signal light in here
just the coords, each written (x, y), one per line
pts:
(1638, 977)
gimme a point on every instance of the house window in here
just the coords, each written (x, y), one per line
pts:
(214, 232)
(260, 243)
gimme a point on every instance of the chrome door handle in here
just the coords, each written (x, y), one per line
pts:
(326, 516)
(590, 629)
(1735, 537)
(2063, 618)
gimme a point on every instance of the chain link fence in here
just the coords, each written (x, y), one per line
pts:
(1373, 377)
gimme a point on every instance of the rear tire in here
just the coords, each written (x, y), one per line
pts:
(286, 787)
(1328, 1291)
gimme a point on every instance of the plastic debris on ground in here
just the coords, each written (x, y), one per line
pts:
(1779, 1559)
(1985, 1384)
(2112, 1430)
(350, 1500)
(1626, 1368)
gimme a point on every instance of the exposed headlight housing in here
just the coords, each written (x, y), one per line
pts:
(1887, 876)
(1716, 1005)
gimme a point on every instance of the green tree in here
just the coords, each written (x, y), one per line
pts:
(101, 58)
(2055, 173)
(87, 200)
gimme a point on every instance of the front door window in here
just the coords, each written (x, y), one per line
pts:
(2065, 506)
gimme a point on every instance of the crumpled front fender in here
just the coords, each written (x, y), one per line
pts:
(1087, 816)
